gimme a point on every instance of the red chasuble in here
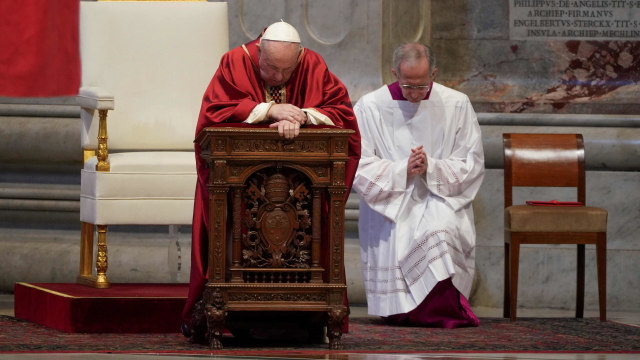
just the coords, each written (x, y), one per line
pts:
(236, 88)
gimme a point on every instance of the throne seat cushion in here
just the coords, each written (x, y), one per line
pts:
(141, 188)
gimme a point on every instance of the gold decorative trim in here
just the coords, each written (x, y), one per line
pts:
(86, 253)
(94, 297)
(102, 262)
(250, 59)
(282, 91)
(46, 290)
(103, 150)
(88, 154)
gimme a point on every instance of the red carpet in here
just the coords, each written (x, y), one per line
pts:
(81, 319)
(366, 335)
(123, 308)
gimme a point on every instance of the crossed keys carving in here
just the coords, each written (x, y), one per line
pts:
(276, 222)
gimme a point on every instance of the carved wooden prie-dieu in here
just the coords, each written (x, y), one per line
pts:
(279, 205)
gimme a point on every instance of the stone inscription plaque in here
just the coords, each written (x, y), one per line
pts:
(574, 19)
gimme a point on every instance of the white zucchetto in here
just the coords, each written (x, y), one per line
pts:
(281, 31)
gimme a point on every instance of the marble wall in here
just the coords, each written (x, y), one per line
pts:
(477, 56)
(472, 42)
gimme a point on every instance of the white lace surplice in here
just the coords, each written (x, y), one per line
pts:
(418, 231)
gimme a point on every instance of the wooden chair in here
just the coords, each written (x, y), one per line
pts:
(549, 160)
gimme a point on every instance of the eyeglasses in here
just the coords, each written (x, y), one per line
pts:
(416, 87)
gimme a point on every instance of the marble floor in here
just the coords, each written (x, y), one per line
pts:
(6, 308)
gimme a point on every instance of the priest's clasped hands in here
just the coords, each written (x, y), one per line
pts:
(417, 163)
(287, 118)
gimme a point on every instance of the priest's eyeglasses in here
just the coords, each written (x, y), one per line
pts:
(416, 87)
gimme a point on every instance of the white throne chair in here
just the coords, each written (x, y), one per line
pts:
(146, 65)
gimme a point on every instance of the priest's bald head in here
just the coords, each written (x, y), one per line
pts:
(278, 52)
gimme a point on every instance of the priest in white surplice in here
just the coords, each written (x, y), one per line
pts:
(422, 164)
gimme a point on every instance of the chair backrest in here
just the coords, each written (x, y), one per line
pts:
(543, 160)
(156, 59)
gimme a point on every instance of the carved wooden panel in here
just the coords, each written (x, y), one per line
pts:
(277, 221)
(268, 196)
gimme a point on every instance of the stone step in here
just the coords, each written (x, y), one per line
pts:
(64, 106)
(30, 110)
(40, 140)
(39, 205)
(39, 197)
(39, 191)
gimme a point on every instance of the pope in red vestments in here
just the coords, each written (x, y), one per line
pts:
(271, 80)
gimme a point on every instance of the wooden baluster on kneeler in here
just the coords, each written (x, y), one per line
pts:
(316, 234)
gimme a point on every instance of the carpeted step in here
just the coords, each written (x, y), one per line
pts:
(123, 308)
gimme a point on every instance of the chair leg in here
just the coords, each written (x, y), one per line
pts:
(513, 288)
(101, 258)
(85, 276)
(507, 294)
(601, 260)
(86, 252)
(580, 283)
